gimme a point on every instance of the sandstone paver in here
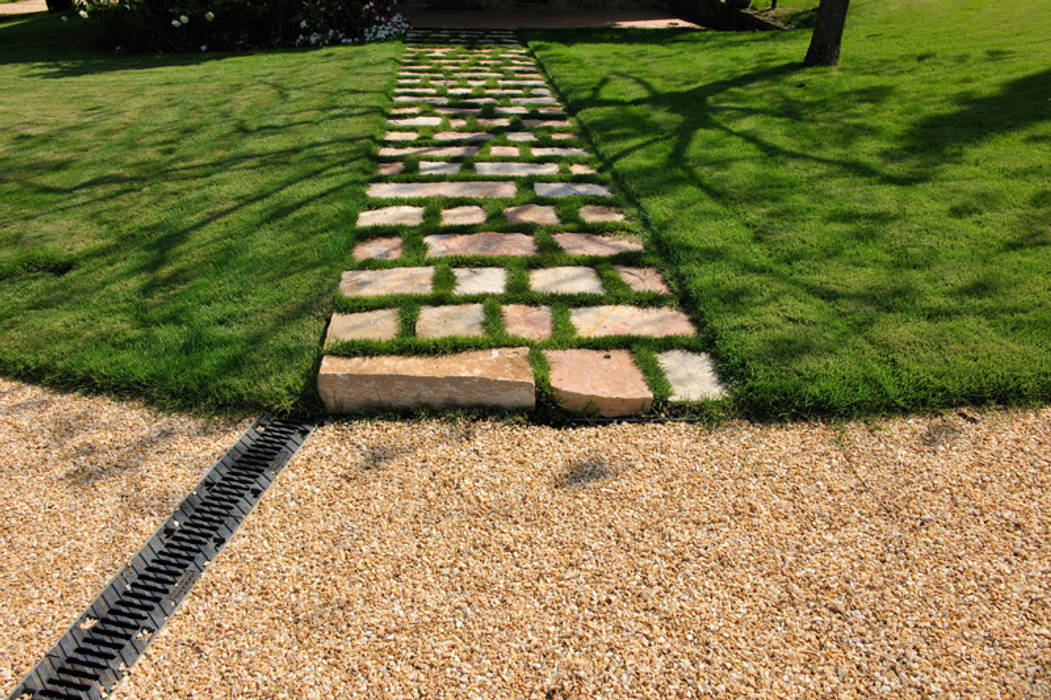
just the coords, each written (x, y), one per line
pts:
(602, 382)
(412, 190)
(532, 322)
(403, 215)
(516, 169)
(557, 152)
(437, 167)
(619, 319)
(463, 216)
(565, 280)
(483, 243)
(643, 279)
(570, 189)
(453, 320)
(537, 214)
(395, 280)
(595, 244)
(431, 151)
(592, 213)
(379, 249)
(382, 324)
(479, 280)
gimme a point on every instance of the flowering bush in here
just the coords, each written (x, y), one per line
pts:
(202, 25)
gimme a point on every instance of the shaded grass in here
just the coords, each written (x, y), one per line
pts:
(873, 238)
(173, 227)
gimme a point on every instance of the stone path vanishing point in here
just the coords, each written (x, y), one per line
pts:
(494, 256)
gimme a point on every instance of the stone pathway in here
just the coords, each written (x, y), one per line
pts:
(494, 256)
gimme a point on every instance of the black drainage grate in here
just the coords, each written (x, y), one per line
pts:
(117, 627)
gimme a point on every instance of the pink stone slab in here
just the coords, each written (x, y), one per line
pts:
(382, 324)
(431, 151)
(463, 216)
(378, 249)
(396, 280)
(532, 322)
(594, 244)
(606, 383)
(392, 168)
(484, 243)
(597, 214)
(643, 279)
(411, 190)
(504, 151)
(598, 321)
(537, 214)
(445, 321)
(391, 216)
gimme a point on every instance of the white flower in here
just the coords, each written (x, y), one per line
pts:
(65, 19)
(83, 13)
(204, 47)
(184, 19)
(303, 24)
(176, 23)
(209, 16)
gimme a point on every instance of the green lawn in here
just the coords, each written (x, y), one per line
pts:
(875, 237)
(174, 227)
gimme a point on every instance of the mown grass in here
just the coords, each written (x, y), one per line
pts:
(173, 227)
(870, 238)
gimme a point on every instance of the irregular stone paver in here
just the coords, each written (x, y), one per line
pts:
(391, 216)
(479, 280)
(606, 383)
(548, 123)
(382, 324)
(504, 151)
(565, 280)
(511, 110)
(597, 214)
(497, 122)
(570, 189)
(410, 190)
(378, 249)
(484, 243)
(533, 322)
(463, 136)
(643, 279)
(432, 151)
(501, 377)
(691, 375)
(563, 137)
(595, 244)
(405, 110)
(546, 152)
(400, 136)
(396, 280)
(516, 169)
(445, 321)
(462, 216)
(657, 322)
(520, 136)
(394, 168)
(437, 167)
(537, 214)
(581, 169)
(416, 121)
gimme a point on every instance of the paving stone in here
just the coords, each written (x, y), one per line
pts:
(396, 280)
(415, 121)
(405, 110)
(511, 110)
(398, 190)
(565, 280)
(606, 383)
(378, 249)
(537, 214)
(484, 243)
(432, 151)
(547, 123)
(457, 110)
(596, 213)
(479, 280)
(556, 152)
(382, 324)
(494, 122)
(463, 136)
(570, 189)
(520, 82)
(643, 279)
(516, 169)
(393, 168)
(391, 216)
(504, 151)
(534, 101)
(533, 322)
(552, 111)
(479, 74)
(500, 377)
(691, 375)
(421, 99)
(463, 216)
(521, 136)
(437, 167)
(457, 123)
(598, 321)
(581, 169)
(563, 137)
(414, 91)
(594, 244)
(444, 321)
(401, 136)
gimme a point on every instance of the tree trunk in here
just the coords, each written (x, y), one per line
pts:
(828, 32)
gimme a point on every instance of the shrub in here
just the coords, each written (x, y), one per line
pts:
(200, 25)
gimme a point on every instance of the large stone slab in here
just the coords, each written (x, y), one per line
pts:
(691, 375)
(537, 214)
(479, 280)
(606, 383)
(643, 279)
(565, 280)
(416, 121)
(593, 213)
(553, 152)
(391, 216)
(438, 167)
(463, 136)
(382, 324)
(484, 243)
(412, 190)
(463, 216)
(594, 244)
(444, 321)
(400, 136)
(516, 169)
(396, 280)
(379, 249)
(570, 189)
(431, 151)
(533, 322)
(501, 377)
(504, 151)
(655, 322)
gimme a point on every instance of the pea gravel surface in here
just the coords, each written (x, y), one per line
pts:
(905, 557)
(84, 481)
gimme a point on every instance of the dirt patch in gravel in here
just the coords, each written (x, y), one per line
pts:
(906, 557)
(84, 481)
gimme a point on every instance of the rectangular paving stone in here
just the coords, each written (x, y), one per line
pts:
(446, 321)
(432, 151)
(416, 121)
(391, 216)
(393, 168)
(532, 322)
(422, 99)
(401, 136)
(382, 324)
(592, 213)
(598, 321)
(581, 169)
(520, 136)
(570, 189)
(691, 375)
(463, 136)
(501, 377)
(556, 152)
(396, 280)
(463, 216)
(594, 244)
(534, 101)
(379, 249)
(405, 110)
(483, 243)
(407, 190)
(537, 214)
(457, 110)
(565, 280)
(547, 123)
(479, 280)
(602, 382)
(510, 110)
(642, 279)
(504, 151)
(516, 169)
(437, 167)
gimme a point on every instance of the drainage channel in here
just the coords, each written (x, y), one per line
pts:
(107, 639)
